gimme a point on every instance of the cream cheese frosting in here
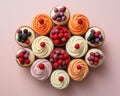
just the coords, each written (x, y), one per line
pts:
(70, 46)
(41, 74)
(42, 52)
(55, 79)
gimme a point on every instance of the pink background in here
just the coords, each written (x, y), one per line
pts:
(17, 81)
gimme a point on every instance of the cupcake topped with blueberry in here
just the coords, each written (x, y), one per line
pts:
(59, 35)
(59, 58)
(94, 58)
(25, 57)
(24, 36)
(95, 36)
(60, 15)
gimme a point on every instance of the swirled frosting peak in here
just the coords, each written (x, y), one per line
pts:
(42, 46)
(78, 24)
(78, 69)
(77, 46)
(42, 24)
(60, 79)
(41, 69)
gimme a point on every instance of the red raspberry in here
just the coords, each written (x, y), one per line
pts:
(27, 42)
(60, 57)
(55, 36)
(60, 35)
(41, 20)
(60, 62)
(21, 60)
(21, 54)
(77, 46)
(42, 44)
(96, 59)
(66, 35)
(66, 56)
(67, 62)
(27, 61)
(55, 65)
(59, 27)
(41, 66)
(61, 78)
(80, 21)
(65, 30)
(57, 41)
(78, 67)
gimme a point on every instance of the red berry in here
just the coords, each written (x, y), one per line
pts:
(19, 31)
(27, 42)
(51, 55)
(77, 46)
(67, 62)
(96, 59)
(61, 78)
(66, 35)
(63, 9)
(55, 36)
(65, 30)
(27, 61)
(21, 54)
(42, 44)
(55, 65)
(41, 66)
(57, 41)
(60, 35)
(59, 27)
(59, 62)
(96, 34)
(21, 60)
(78, 67)
(66, 56)
(99, 32)
(91, 54)
(41, 21)
(60, 57)
(80, 21)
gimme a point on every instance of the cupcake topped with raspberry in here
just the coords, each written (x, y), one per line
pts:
(95, 36)
(59, 58)
(60, 15)
(25, 57)
(59, 35)
(94, 58)
(24, 36)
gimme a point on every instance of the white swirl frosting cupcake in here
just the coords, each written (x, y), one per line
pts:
(76, 46)
(41, 69)
(60, 79)
(42, 46)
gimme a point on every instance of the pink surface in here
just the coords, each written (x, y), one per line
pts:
(17, 81)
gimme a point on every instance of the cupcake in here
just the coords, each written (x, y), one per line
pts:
(78, 24)
(24, 36)
(25, 57)
(60, 15)
(78, 69)
(59, 35)
(95, 36)
(59, 58)
(41, 69)
(42, 24)
(60, 79)
(94, 58)
(42, 46)
(76, 46)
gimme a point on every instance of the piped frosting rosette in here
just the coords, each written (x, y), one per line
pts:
(42, 46)
(78, 24)
(78, 69)
(41, 69)
(42, 24)
(60, 79)
(76, 46)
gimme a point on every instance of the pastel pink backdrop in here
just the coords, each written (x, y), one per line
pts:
(17, 81)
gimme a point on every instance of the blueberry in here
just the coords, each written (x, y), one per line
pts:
(97, 54)
(26, 56)
(92, 36)
(91, 62)
(22, 40)
(25, 36)
(63, 18)
(89, 39)
(97, 40)
(19, 39)
(58, 19)
(54, 17)
(92, 31)
(29, 34)
(58, 14)
(61, 13)
(24, 51)
(92, 41)
(25, 31)
(20, 36)
(56, 10)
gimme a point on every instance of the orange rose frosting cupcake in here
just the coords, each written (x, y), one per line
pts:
(78, 24)
(78, 69)
(42, 24)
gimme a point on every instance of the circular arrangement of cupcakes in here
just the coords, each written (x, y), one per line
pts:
(60, 47)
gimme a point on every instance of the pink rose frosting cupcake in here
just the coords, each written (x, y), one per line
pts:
(41, 69)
